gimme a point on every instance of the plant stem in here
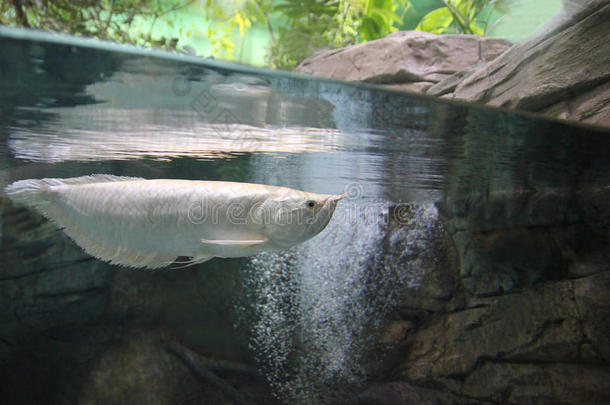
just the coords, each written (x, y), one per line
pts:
(21, 17)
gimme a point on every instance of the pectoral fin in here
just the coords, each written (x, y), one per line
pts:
(193, 261)
(234, 242)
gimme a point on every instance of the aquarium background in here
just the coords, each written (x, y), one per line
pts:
(467, 263)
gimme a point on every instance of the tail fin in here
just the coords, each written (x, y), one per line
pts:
(29, 192)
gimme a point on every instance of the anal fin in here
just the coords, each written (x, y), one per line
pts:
(193, 261)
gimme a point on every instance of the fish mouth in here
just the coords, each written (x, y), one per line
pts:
(333, 199)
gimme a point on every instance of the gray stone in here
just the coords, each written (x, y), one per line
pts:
(138, 370)
(546, 344)
(410, 60)
(592, 295)
(563, 71)
(396, 332)
(501, 261)
(540, 324)
(543, 383)
(447, 86)
(394, 393)
(418, 245)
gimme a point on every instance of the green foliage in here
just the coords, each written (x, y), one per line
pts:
(379, 19)
(297, 28)
(306, 28)
(104, 19)
(300, 9)
(461, 16)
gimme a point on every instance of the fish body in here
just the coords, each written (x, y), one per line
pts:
(136, 222)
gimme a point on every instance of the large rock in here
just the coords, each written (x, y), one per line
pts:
(593, 304)
(546, 343)
(539, 383)
(417, 243)
(541, 324)
(410, 60)
(563, 71)
(396, 393)
(138, 370)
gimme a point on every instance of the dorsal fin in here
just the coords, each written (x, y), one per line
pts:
(29, 192)
(93, 178)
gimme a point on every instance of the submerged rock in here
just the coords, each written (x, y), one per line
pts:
(143, 368)
(393, 393)
(417, 243)
(138, 370)
(546, 342)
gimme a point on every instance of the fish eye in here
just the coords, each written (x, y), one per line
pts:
(310, 204)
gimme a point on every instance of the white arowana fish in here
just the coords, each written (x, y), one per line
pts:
(135, 222)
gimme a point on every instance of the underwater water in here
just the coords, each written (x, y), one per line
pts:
(305, 319)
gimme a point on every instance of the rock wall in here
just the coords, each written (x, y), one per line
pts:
(515, 306)
(561, 72)
(488, 324)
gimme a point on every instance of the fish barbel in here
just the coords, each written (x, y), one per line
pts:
(135, 222)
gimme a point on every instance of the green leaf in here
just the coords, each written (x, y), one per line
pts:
(436, 21)
(369, 29)
(254, 11)
(384, 16)
(477, 30)
(299, 9)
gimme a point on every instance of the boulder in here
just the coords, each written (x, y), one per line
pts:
(393, 393)
(416, 243)
(593, 305)
(540, 383)
(547, 344)
(562, 71)
(409, 60)
(142, 367)
(139, 370)
(540, 324)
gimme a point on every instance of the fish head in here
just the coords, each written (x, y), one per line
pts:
(298, 216)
